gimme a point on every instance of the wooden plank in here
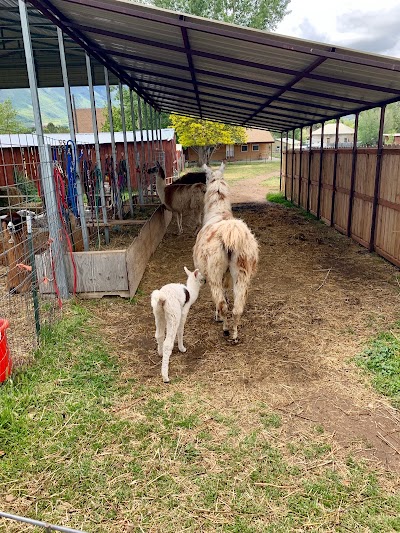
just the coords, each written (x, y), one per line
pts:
(145, 244)
(99, 271)
(117, 223)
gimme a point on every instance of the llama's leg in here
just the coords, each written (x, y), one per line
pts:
(240, 287)
(160, 328)
(180, 331)
(172, 328)
(198, 223)
(179, 223)
(221, 307)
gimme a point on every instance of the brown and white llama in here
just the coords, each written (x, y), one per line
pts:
(180, 198)
(226, 252)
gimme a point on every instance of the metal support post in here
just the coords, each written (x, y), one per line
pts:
(128, 167)
(280, 167)
(286, 166)
(309, 173)
(300, 167)
(146, 124)
(293, 162)
(353, 176)
(334, 174)
(79, 190)
(321, 155)
(97, 147)
(55, 228)
(143, 168)
(117, 192)
(135, 148)
(377, 180)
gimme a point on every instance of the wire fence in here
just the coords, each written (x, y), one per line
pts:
(56, 200)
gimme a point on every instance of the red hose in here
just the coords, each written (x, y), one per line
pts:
(62, 203)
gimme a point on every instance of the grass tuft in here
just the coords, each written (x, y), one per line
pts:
(382, 360)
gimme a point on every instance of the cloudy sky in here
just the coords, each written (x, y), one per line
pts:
(364, 25)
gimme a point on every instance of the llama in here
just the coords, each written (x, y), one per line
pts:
(225, 251)
(180, 198)
(171, 306)
(192, 177)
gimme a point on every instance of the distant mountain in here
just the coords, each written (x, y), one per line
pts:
(52, 103)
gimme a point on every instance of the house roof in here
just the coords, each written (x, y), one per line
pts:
(190, 65)
(258, 136)
(330, 129)
(83, 122)
(24, 140)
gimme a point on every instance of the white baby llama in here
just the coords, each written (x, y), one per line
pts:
(171, 306)
(225, 251)
(180, 198)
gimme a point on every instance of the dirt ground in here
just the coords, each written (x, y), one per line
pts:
(316, 300)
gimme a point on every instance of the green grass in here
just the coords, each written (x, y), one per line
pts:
(381, 359)
(84, 446)
(278, 198)
(241, 171)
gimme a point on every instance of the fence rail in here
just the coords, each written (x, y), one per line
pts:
(360, 181)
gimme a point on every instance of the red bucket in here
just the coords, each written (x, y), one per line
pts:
(5, 358)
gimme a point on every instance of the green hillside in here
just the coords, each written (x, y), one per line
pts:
(52, 103)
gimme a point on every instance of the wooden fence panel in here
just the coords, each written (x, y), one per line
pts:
(343, 179)
(304, 180)
(363, 196)
(327, 185)
(315, 159)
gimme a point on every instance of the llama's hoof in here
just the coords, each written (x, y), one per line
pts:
(183, 349)
(166, 380)
(226, 332)
(234, 341)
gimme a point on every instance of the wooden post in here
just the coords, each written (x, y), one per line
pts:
(321, 155)
(300, 165)
(377, 179)
(309, 173)
(353, 176)
(334, 173)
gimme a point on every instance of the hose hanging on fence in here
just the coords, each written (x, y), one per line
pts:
(71, 174)
(62, 206)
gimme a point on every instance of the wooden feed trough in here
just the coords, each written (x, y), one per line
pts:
(110, 272)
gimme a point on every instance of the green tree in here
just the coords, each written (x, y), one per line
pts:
(116, 112)
(204, 136)
(261, 14)
(368, 127)
(8, 118)
(52, 128)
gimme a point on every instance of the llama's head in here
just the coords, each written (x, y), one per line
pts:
(213, 175)
(157, 169)
(194, 277)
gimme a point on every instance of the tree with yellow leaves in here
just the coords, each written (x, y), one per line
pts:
(205, 136)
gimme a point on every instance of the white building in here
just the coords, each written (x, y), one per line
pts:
(346, 135)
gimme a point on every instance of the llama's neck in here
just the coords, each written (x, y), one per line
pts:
(217, 202)
(160, 186)
(194, 288)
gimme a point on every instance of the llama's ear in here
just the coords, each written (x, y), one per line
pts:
(196, 272)
(222, 167)
(187, 271)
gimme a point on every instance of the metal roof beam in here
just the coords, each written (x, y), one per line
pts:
(191, 64)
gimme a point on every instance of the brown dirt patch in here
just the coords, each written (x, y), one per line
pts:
(252, 192)
(315, 301)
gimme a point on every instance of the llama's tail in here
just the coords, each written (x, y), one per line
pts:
(157, 299)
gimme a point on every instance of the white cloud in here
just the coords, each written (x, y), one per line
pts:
(361, 24)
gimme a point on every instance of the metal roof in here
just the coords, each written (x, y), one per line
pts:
(194, 66)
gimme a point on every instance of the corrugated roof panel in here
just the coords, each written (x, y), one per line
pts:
(230, 73)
